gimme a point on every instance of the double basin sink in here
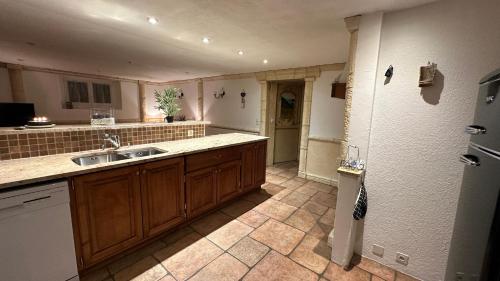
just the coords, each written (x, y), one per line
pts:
(112, 156)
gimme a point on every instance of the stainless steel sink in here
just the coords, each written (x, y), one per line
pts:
(141, 152)
(106, 157)
(98, 158)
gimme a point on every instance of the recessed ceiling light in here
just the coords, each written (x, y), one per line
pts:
(205, 40)
(240, 52)
(153, 20)
(265, 61)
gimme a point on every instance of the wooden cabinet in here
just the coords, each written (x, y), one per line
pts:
(206, 188)
(162, 186)
(116, 209)
(248, 166)
(228, 180)
(253, 171)
(212, 158)
(260, 163)
(108, 207)
(201, 191)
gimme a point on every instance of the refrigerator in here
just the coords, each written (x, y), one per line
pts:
(474, 246)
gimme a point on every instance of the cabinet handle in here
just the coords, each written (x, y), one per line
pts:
(137, 173)
(475, 130)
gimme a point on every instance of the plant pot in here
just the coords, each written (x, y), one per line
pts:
(169, 119)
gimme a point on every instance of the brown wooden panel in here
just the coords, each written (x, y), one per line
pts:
(338, 90)
(260, 163)
(228, 180)
(201, 191)
(108, 206)
(248, 166)
(162, 185)
(211, 158)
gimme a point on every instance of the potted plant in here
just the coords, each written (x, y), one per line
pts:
(167, 102)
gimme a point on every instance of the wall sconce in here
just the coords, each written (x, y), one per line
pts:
(219, 94)
(181, 94)
(243, 94)
(389, 72)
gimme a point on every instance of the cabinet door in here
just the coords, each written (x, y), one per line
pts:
(248, 167)
(162, 186)
(201, 191)
(228, 180)
(108, 207)
(260, 163)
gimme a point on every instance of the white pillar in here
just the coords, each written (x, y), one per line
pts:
(142, 101)
(306, 124)
(199, 84)
(16, 82)
(352, 25)
(344, 226)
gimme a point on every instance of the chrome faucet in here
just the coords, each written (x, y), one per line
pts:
(113, 139)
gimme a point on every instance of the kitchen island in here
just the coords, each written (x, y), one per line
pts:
(118, 205)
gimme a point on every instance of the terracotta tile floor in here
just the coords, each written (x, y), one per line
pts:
(277, 233)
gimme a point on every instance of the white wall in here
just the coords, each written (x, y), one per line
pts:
(46, 91)
(189, 104)
(327, 113)
(5, 93)
(227, 112)
(413, 178)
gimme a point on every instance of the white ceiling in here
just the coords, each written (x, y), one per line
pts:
(113, 37)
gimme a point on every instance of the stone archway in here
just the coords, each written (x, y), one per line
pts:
(308, 75)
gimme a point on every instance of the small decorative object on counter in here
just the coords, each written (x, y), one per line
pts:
(243, 94)
(167, 103)
(39, 123)
(102, 116)
(350, 162)
(427, 74)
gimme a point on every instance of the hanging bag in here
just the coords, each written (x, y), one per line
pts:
(361, 205)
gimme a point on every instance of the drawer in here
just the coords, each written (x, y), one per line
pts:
(212, 158)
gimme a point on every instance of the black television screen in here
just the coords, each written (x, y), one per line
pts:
(16, 114)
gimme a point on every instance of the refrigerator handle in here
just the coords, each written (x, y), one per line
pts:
(469, 159)
(475, 130)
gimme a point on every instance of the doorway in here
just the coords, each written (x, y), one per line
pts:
(286, 128)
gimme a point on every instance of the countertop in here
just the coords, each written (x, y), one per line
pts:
(79, 127)
(44, 168)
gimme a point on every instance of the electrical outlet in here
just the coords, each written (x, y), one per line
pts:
(402, 258)
(190, 133)
(460, 276)
(378, 250)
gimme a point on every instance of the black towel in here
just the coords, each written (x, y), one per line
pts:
(361, 204)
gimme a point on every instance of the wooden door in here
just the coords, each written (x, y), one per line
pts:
(228, 180)
(162, 186)
(248, 167)
(260, 163)
(201, 191)
(288, 121)
(108, 207)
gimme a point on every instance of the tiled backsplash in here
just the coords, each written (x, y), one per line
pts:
(26, 143)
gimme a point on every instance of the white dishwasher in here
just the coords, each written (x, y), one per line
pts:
(36, 235)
